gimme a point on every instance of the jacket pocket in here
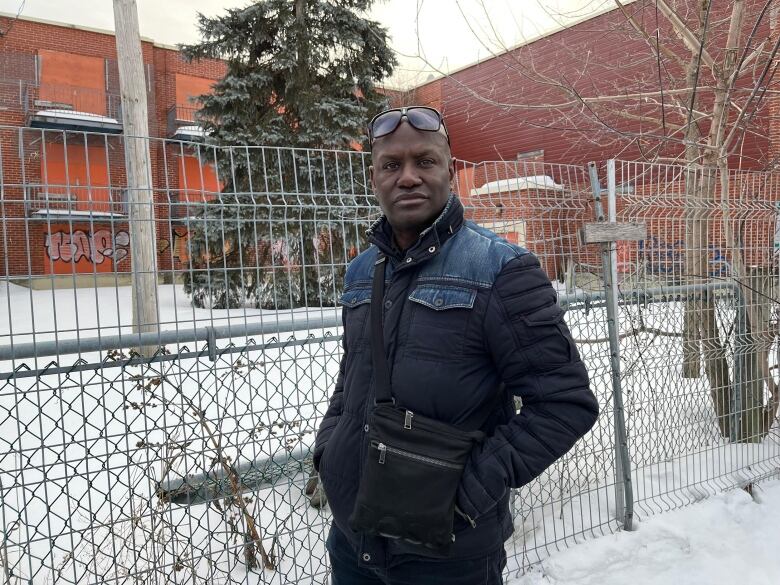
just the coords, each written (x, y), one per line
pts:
(547, 337)
(356, 303)
(440, 315)
(441, 298)
(355, 297)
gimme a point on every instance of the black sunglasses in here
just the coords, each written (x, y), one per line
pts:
(420, 117)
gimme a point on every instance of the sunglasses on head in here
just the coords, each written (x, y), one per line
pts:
(420, 118)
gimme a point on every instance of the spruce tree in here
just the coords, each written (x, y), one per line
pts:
(285, 123)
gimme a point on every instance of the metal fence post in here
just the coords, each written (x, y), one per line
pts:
(741, 365)
(624, 501)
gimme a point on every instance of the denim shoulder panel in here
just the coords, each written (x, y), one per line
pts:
(474, 255)
(360, 270)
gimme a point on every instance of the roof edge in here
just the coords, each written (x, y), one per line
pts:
(36, 20)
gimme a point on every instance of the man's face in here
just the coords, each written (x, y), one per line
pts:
(410, 175)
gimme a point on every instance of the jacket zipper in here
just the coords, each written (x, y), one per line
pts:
(466, 517)
(384, 449)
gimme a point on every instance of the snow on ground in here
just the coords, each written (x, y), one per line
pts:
(75, 115)
(728, 539)
(28, 315)
(71, 436)
(83, 451)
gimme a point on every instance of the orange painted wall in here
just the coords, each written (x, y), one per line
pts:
(198, 182)
(78, 80)
(79, 170)
(189, 86)
(464, 183)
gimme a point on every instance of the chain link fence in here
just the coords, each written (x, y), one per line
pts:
(192, 464)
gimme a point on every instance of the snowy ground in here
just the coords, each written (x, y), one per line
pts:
(729, 539)
(81, 456)
(81, 453)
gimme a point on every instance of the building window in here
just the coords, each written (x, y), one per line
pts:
(75, 178)
(72, 82)
(198, 180)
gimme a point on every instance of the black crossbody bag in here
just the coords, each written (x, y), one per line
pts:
(414, 463)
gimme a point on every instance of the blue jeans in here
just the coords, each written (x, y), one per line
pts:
(483, 570)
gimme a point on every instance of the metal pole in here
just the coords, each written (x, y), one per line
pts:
(624, 496)
(139, 170)
(741, 365)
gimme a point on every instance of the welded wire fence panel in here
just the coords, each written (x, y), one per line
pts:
(699, 375)
(541, 206)
(189, 465)
(192, 464)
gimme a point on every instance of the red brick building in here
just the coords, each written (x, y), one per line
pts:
(525, 107)
(63, 170)
(528, 100)
(63, 199)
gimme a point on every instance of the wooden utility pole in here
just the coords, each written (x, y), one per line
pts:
(135, 119)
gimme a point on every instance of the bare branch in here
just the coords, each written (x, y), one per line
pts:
(723, 86)
(686, 35)
(745, 57)
(747, 61)
(758, 87)
(667, 52)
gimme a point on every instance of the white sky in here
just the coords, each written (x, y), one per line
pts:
(452, 33)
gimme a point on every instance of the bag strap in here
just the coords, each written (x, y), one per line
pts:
(384, 391)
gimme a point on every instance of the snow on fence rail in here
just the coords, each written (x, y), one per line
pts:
(193, 464)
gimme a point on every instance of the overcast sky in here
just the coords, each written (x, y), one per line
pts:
(447, 34)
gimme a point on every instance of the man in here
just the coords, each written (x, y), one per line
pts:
(469, 321)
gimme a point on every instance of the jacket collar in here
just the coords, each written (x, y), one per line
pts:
(447, 224)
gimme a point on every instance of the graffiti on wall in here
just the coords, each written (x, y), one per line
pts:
(663, 257)
(179, 248)
(64, 245)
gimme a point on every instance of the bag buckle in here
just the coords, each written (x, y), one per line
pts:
(391, 402)
(408, 419)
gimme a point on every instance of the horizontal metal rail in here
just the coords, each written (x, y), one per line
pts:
(209, 334)
(252, 476)
(25, 371)
(17, 351)
(202, 488)
(647, 295)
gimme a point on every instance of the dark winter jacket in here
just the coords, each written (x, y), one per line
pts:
(464, 311)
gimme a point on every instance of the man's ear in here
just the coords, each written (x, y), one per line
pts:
(371, 177)
(452, 169)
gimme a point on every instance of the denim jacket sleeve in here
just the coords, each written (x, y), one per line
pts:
(333, 413)
(538, 361)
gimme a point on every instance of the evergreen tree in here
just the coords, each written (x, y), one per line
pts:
(285, 122)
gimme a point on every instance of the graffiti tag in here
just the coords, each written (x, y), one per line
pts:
(75, 246)
(180, 250)
(664, 257)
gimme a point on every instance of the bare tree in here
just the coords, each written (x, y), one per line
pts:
(675, 81)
